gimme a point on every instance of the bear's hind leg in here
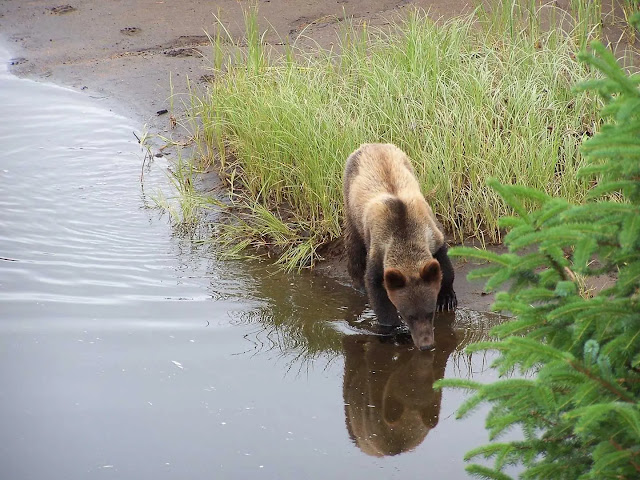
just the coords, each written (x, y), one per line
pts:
(447, 297)
(356, 254)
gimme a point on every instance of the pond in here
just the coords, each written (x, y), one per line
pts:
(128, 351)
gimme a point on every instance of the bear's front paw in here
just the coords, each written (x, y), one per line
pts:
(447, 301)
(359, 286)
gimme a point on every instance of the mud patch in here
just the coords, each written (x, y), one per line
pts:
(183, 46)
(301, 23)
(208, 78)
(183, 52)
(186, 40)
(131, 31)
(18, 37)
(17, 61)
(62, 9)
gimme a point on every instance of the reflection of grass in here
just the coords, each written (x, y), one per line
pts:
(465, 103)
(304, 319)
(298, 329)
(471, 326)
(301, 341)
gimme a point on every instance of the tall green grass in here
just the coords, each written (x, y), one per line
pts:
(466, 101)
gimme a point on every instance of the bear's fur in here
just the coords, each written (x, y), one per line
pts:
(394, 245)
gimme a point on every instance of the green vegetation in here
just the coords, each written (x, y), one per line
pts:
(578, 405)
(466, 100)
(185, 210)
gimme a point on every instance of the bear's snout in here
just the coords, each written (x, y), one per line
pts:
(422, 334)
(424, 342)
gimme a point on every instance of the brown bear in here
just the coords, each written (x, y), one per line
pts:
(394, 244)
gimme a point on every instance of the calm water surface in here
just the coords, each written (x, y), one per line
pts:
(128, 353)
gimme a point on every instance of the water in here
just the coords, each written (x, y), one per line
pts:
(128, 352)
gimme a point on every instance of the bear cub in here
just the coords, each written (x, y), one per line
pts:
(394, 245)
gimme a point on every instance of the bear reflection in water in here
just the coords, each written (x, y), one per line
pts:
(390, 402)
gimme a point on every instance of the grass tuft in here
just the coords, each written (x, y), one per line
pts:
(466, 100)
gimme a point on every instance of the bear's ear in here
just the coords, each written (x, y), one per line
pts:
(430, 271)
(394, 279)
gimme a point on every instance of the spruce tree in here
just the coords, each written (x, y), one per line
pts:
(576, 391)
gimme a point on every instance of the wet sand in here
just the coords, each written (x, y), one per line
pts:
(124, 52)
(129, 55)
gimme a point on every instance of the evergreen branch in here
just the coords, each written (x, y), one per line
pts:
(620, 448)
(478, 273)
(592, 413)
(476, 253)
(509, 197)
(510, 222)
(608, 386)
(565, 272)
(542, 418)
(457, 383)
(606, 63)
(607, 188)
(546, 351)
(493, 449)
(580, 413)
(480, 471)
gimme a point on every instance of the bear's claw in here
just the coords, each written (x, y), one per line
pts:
(447, 302)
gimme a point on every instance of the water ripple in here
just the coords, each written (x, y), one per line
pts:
(73, 222)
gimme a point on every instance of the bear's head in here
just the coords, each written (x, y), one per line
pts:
(415, 296)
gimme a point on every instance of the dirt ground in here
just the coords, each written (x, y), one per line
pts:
(124, 52)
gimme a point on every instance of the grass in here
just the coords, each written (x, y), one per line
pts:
(187, 206)
(466, 99)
